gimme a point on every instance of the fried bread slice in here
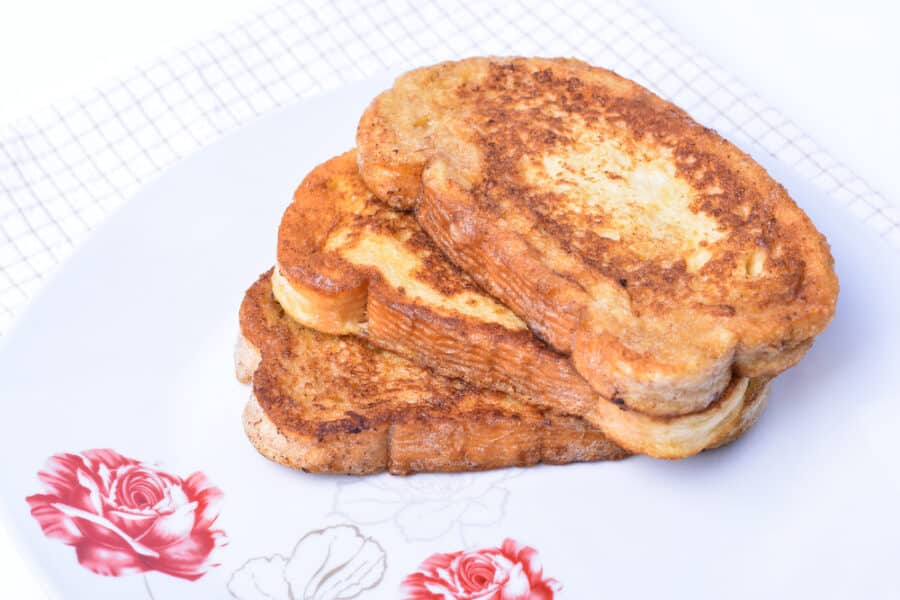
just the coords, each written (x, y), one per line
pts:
(335, 404)
(348, 263)
(661, 257)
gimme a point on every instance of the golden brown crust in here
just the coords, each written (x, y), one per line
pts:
(349, 264)
(661, 256)
(726, 419)
(335, 404)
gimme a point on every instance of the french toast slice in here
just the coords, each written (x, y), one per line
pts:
(660, 256)
(348, 263)
(337, 404)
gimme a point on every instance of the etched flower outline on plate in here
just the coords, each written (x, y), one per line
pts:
(427, 507)
(334, 563)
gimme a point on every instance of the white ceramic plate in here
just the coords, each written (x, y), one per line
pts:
(130, 348)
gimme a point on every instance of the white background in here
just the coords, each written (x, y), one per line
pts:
(833, 67)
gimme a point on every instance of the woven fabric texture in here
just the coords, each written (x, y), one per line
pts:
(65, 168)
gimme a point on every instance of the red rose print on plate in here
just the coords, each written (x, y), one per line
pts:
(123, 516)
(510, 572)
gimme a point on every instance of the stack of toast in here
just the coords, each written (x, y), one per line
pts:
(526, 260)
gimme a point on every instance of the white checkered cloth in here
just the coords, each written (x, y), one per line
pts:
(62, 170)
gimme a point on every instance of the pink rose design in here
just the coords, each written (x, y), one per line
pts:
(124, 517)
(510, 572)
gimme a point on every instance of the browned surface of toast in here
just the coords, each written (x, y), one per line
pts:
(664, 259)
(347, 263)
(337, 404)
(351, 264)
